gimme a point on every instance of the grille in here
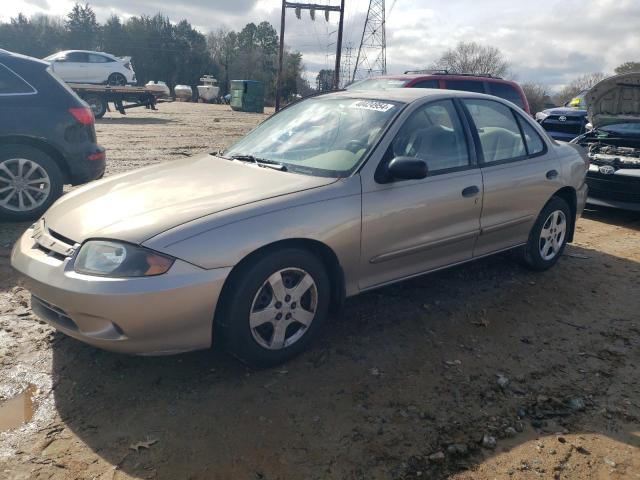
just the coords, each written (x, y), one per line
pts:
(52, 314)
(610, 187)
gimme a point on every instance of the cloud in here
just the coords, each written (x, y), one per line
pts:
(547, 41)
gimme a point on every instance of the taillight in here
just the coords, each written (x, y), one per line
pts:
(83, 115)
(127, 66)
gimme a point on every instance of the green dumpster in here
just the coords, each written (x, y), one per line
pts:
(247, 96)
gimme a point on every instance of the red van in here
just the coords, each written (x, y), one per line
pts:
(491, 85)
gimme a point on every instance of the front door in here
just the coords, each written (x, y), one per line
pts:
(412, 226)
(72, 67)
(519, 174)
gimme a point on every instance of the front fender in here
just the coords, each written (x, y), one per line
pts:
(331, 215)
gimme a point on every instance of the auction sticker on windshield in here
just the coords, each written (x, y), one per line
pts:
(373, 105)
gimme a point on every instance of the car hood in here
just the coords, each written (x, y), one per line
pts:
(140, 204)
(615, 100)
(564, 111)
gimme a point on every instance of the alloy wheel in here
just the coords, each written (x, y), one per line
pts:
(552, 235)
(24, 185)
(283, 309)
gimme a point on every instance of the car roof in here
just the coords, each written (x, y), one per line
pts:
(444, 76)
(84, 51)
(407, 95)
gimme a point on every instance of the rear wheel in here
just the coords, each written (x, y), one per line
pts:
(276, 306)
(117, 80)
(30, 181)
(97, 104)
(548, 236)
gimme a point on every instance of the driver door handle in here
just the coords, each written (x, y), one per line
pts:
(471, 191)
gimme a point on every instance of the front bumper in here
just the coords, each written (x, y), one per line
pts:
(619, 189)
(158, 315)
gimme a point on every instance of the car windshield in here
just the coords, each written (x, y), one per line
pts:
(624, 129)
(377, 84)
(318, 136)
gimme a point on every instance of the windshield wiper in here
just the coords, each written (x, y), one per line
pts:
(263, 162)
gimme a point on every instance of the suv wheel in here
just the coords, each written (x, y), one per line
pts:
(275, 308)
(30, 181)
(548, 236)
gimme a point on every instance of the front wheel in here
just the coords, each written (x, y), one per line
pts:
(276, 305)
(548, 236)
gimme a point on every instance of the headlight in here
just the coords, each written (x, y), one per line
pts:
(540, 116)
(115, 259)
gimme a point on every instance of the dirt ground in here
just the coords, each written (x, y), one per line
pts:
(483, 371)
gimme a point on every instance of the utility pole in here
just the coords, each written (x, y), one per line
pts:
(372, 54)
(312, 7)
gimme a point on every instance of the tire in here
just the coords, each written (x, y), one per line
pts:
(27, 199)
(548, 237)
(249, 290)
(97, 104)
(117, 79)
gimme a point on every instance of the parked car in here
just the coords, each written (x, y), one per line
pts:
(47, 138)
(567, 122)
(491, 85)
(613, 144)
(334, 195)
(82, 66)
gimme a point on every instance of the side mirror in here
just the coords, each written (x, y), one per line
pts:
(407, 168)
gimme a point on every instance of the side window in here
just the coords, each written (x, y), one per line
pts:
(426, 84)
(93, 58)
(465, 85)
(77, 57)
(535, 144)
(506, 91)
(498, 131)
(11, 84)
(434, 134)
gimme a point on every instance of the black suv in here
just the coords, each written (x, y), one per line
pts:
(47, 138)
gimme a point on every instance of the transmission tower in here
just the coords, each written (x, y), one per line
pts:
(345, 68)
(372, 54)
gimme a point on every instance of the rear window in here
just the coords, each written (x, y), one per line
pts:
(377, 84)
(506, 91)
(466, 85)
(426, 84)
(12, 84)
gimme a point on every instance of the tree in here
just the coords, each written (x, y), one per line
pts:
(583, 82)
(82, 27)
(471, 57)
(537, 96)
(114, 37)
(324, 80)
(627, 67)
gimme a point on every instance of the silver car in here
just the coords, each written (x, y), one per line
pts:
(333, 196)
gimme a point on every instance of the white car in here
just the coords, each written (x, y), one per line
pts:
(81, 66)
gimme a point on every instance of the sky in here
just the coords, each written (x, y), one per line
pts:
(546, 41)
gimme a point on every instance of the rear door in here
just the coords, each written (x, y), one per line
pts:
(72, 67)
(98, 68)
(520, 174)
(412, 226)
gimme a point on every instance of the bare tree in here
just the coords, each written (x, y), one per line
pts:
(537, 96)
(471, 57)
(584, 82)
(628, 67)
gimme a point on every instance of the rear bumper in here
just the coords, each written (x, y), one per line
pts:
(82, 168)
(158, 315)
